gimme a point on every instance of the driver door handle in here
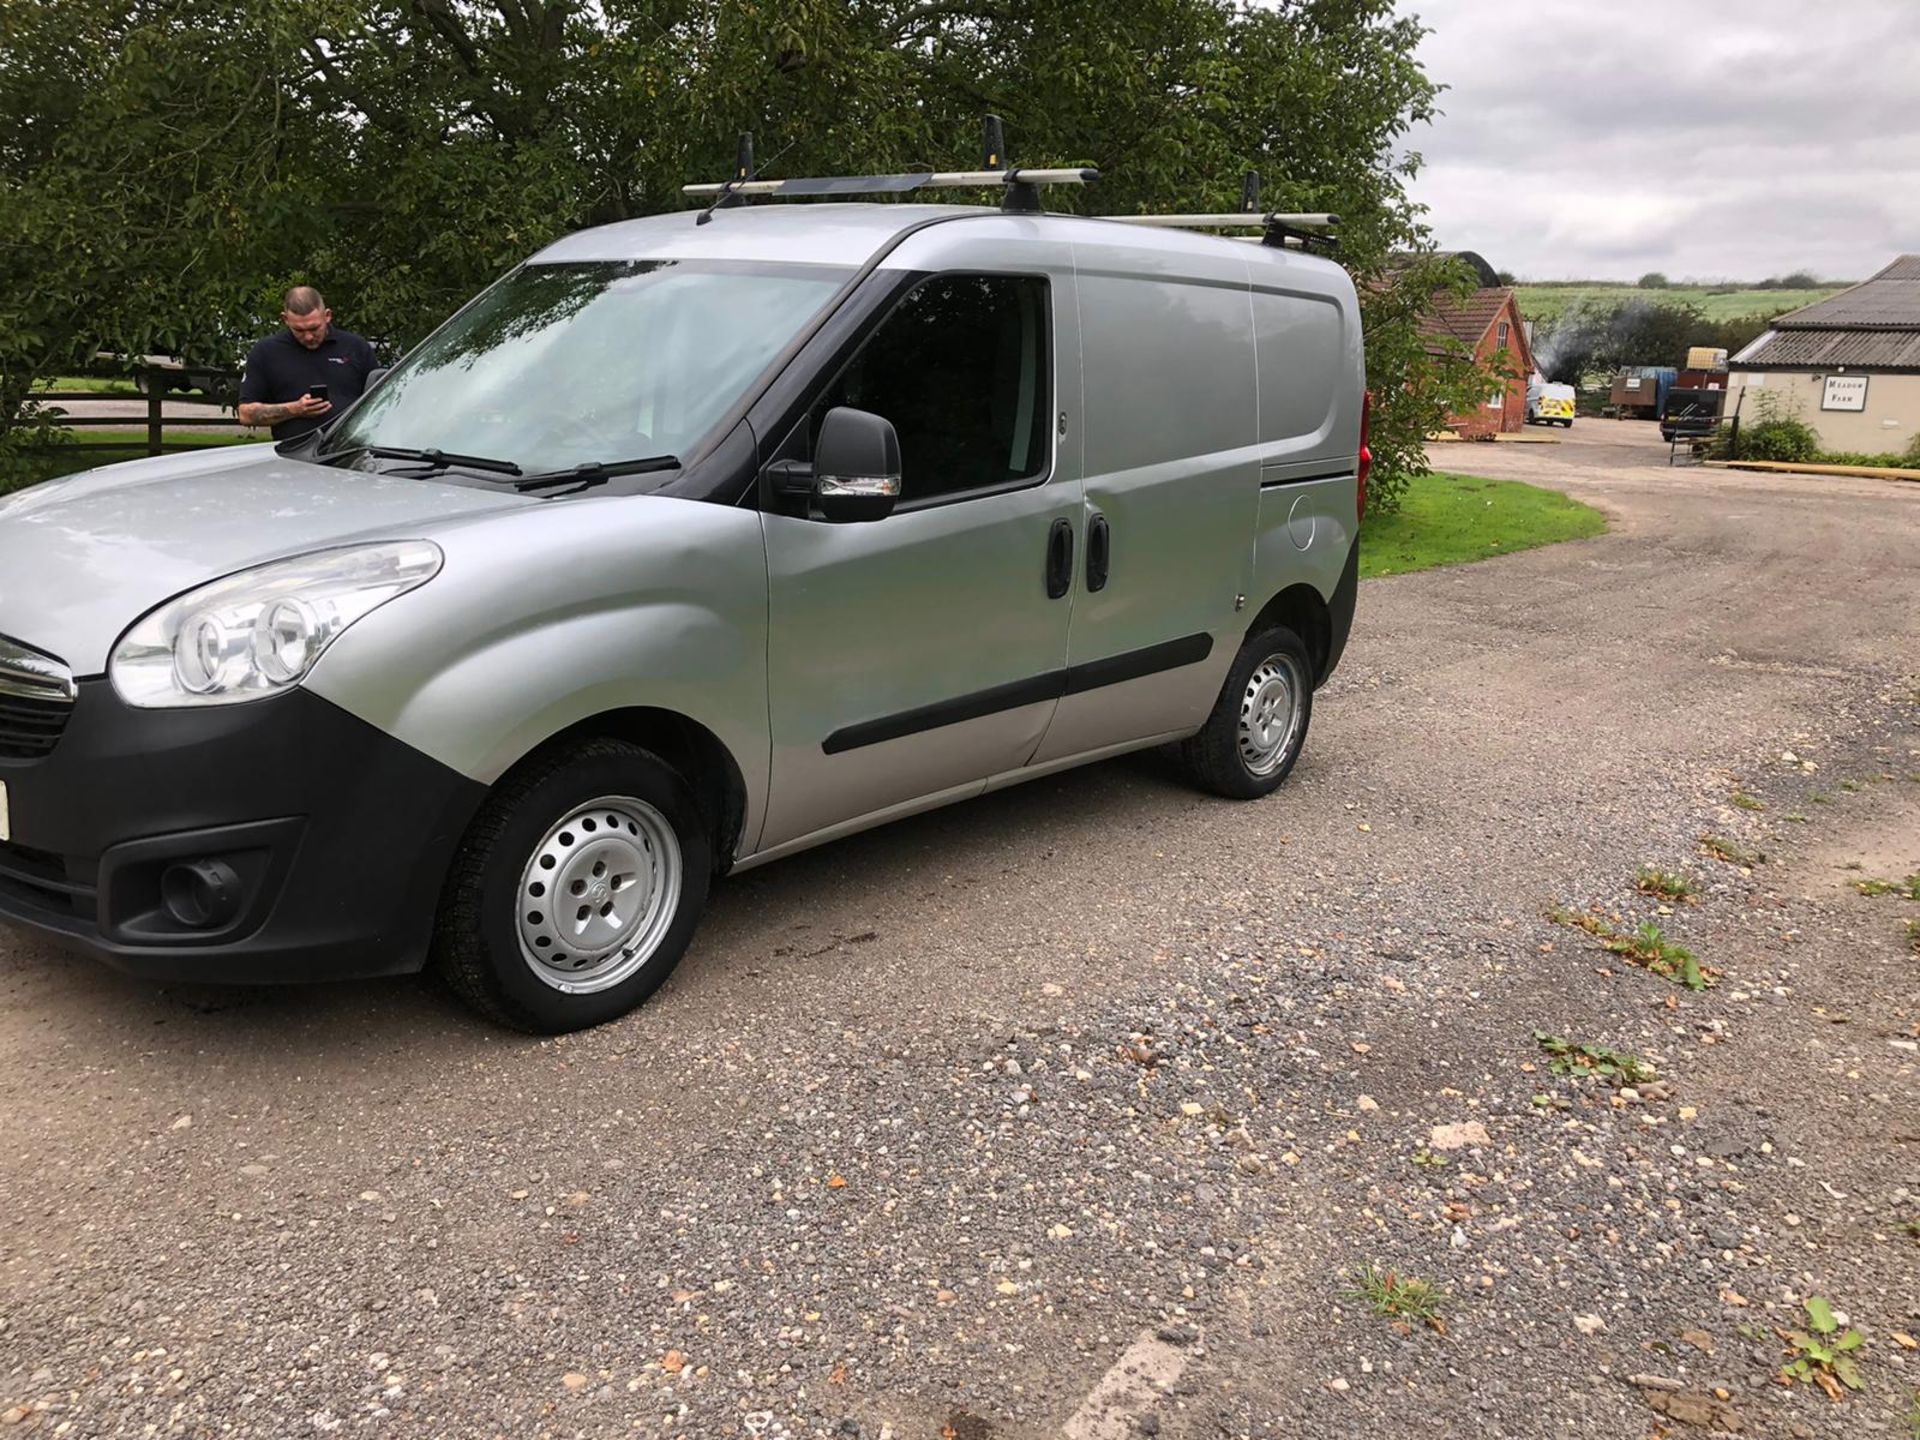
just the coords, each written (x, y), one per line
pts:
(1059, 559)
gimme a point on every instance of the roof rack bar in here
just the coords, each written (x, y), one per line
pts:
(1239, 220)
(880, 184)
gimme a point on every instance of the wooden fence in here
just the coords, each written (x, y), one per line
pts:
(154, 381)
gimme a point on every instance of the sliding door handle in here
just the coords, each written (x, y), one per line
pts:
(1059, 559)
(1099, 552)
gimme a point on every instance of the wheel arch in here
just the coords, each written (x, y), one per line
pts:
(1303, 610)
(701, 757)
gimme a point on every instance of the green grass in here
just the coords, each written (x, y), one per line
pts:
(98, 384)
(1544, 302)
(1454, 519)
(105, 446)
(1399, 1297)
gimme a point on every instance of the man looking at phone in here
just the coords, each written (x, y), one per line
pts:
(297, 376)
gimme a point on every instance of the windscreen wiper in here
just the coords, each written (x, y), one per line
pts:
(433, 459)
(596, 472)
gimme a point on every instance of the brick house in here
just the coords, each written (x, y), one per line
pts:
(1488, 323)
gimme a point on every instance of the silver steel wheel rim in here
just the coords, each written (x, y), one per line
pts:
(598, 895)
(1270, 714)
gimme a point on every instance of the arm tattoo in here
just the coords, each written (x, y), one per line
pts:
(269, 414)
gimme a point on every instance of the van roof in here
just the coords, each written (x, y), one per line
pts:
(852, 234)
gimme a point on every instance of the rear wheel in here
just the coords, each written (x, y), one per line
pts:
(576, 890)
(1259, 724)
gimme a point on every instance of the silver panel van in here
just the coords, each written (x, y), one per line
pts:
(683, 547)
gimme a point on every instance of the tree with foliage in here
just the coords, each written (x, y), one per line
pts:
(167, 170)
(1652, 280)
(1438, 377)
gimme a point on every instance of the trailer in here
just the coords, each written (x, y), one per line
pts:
(1640, 391)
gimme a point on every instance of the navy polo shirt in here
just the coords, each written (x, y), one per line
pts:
(280, 369)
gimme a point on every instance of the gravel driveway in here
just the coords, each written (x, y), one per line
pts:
(1073, 1111)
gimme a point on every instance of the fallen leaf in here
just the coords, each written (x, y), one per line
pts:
(836, 1182)
(673, 1362)
(1905, 1341)
(839, 1375)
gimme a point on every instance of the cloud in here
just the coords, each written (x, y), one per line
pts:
(1726, 142)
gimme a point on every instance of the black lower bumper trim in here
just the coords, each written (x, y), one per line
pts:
(1346, 595)
(338, 835)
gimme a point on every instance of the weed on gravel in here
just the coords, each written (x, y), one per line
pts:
(1907, 889)
(1913, 936)
(1742, 800)
(1399, 1297)
(1731, 851)
(1666, 885)
(1647, 947)
(1574, 1057)
(1650, 949)
(1822, 1353)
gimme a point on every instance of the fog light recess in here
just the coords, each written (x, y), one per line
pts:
(201, 894)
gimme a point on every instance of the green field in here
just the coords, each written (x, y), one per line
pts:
(1453, 519)
(1716, 302)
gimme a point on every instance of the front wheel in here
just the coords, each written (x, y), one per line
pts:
(1259, 724)
(576, 890)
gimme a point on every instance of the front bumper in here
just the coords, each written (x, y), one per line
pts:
(339, 835)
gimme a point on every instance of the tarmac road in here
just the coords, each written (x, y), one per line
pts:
(1074, 1110)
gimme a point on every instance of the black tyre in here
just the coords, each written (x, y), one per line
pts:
(1259, 724)
(576, 890)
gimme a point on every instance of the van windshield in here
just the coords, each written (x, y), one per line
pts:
(593, 362)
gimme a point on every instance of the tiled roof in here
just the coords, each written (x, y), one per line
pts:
(1818, 349)
(1463, 320)
(1889, 301)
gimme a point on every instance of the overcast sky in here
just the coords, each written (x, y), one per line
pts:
(1736, 140)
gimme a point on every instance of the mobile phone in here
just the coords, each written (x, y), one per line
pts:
(318, 392)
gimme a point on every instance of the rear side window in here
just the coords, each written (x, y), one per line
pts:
(961, 367)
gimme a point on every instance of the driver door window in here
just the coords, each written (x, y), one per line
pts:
(962, 368)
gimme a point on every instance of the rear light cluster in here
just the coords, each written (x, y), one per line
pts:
(1366, 456)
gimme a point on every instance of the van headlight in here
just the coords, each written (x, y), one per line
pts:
(259, 632)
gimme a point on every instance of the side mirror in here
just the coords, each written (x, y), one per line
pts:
(374, 377)
(856, 466)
